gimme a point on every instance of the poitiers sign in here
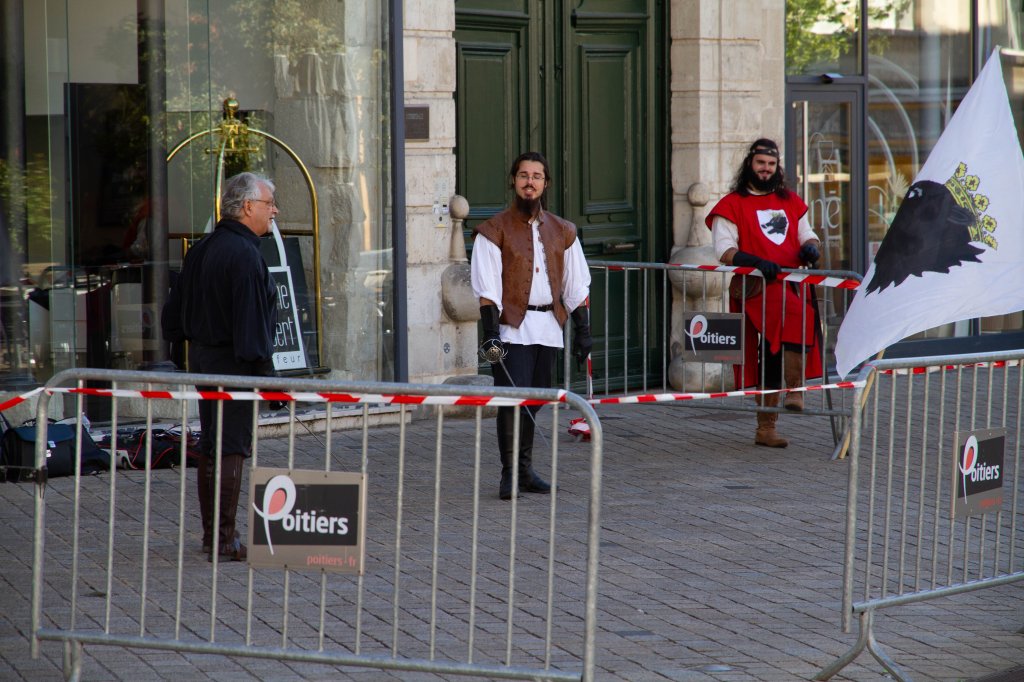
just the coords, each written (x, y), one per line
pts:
(306, 520)
(713, 337)
(978, 471)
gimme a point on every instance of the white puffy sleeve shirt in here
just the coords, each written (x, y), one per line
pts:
(537, 328)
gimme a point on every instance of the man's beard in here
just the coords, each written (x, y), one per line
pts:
(765, 186)
(530, 207)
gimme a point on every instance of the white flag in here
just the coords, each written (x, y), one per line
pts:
(955, 249)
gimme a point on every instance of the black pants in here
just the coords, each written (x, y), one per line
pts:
(527, 366)
(771, 363)
(236, 433)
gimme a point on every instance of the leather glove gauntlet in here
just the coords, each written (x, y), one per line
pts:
(491, 349)
(582, 342)
(769, 269)
(809, 254)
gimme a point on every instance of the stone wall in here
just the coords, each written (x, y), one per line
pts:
(727, 88)
(438, 346)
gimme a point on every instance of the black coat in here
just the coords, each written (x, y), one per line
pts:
(224, 296)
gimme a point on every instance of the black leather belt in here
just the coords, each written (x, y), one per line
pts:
(541, 308)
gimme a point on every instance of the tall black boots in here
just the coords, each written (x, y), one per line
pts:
(529, 481)
(229, 545)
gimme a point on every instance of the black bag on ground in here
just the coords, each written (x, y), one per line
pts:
(18, 452)
(166, 452)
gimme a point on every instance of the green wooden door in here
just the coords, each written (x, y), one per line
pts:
(582, 82)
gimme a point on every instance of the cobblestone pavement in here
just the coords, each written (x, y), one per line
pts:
(720, 560)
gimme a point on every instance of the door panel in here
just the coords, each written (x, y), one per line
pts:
(606, 91)
(823, 176)
(614, 177)
(826, 160)
(491, 69)
(588, 92)
(606, 169)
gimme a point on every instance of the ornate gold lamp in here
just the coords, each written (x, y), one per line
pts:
(232, 138)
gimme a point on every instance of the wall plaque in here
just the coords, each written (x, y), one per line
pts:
(417, 123)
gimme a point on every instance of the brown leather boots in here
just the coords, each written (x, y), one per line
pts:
(229, 544)
(766, 434)
(794, 363)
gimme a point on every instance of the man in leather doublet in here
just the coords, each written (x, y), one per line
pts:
(530, 274)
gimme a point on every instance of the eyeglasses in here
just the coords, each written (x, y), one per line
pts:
(271, 202)
(536, 177)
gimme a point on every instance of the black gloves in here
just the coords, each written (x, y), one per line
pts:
(491, 349)
(809, 254)
(769, 269)
(489, 319)
(582, 343)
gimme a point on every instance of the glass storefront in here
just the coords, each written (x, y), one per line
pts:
(96, 218)
(920, 68)
(1001, 22)
(822, 36)
(913, 66)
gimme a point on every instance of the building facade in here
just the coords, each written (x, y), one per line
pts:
(119, 116)
(120, 120)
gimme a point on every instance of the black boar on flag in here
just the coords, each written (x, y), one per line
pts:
(955, 248)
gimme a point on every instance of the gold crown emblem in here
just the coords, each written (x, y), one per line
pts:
(964, 189)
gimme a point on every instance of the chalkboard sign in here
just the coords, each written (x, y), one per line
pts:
(288, 347)
(302, 300)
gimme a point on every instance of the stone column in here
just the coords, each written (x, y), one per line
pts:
(727, 89)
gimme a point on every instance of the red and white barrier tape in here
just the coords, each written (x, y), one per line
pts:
(390, 399)
(471, 401)
(579, 429)
(17, 400)
(804, 276)
(351, 398)
(951, 368)
(670, 397)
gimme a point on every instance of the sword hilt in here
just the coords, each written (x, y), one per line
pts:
(493, 352)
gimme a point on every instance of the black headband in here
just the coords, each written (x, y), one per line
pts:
(767, 151)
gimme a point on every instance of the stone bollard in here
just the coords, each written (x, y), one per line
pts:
(457, 298)
(461, 304)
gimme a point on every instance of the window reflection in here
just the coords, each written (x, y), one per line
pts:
(822, 37)
(920, 61)
(822, 176)
(919, 69)
(95, 222)
(1000, 22)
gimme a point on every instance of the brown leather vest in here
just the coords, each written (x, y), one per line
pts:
(510, 231)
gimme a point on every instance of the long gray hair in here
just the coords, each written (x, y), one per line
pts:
(241, 188)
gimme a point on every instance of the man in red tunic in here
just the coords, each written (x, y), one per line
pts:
(762, 224)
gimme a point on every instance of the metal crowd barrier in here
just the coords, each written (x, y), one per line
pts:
(453, 582)
(637, 352)
(931, 513)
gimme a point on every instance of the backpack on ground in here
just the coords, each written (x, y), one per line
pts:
(18, 452)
